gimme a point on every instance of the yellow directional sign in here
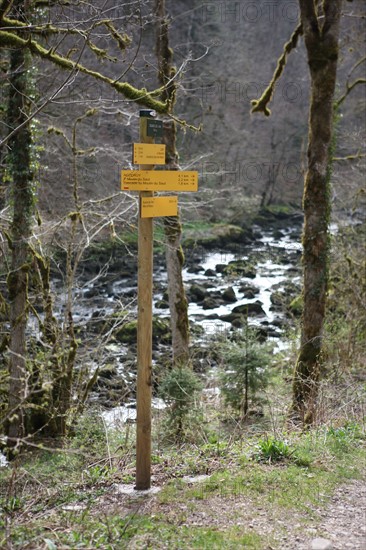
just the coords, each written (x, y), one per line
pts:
(158, 180)
(148, 153)
(153, 207)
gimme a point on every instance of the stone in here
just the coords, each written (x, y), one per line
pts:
(220, 268)
(232, 317)
(321, 544)
(253, 308)
(248, 291)
(197, 293)
(108, 371)
(195, 268)
(249, 294)
(229, 294)
(210, 302)
(162, 304)
(212, 316)
(240, 268)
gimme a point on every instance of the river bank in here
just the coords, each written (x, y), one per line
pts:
(232, 276)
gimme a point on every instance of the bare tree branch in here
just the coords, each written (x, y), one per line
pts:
(260, 105)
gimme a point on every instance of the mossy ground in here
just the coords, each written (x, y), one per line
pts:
(70, 497)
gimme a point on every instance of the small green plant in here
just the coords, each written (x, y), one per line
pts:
(179, 389)
(97, 474)
(90, 434)
(343, 437)
(271, 450)
(245, 371)
(12, 504)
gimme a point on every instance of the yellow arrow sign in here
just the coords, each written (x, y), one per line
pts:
(158, 180)
(148, 153)
(153, 207)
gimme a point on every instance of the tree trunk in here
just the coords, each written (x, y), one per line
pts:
(173, 230)
(19, 162)
(178, 303)
(321, 32)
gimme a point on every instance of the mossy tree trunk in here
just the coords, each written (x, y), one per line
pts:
(320, 25)
(178, 304)
(22, 176)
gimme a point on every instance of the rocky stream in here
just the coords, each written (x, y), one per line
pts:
(227, 283)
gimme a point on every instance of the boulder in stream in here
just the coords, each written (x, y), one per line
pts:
(253, 308)
(127, 333)
(197, 293)
(242, 268)
(229, 295)
(249, 291)
(211, 302)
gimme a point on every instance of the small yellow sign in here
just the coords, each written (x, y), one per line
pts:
(148, 153)
(158, 180)
(153, 207)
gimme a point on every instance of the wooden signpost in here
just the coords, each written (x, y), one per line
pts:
(146, 180)
(159, 180)
(152, 207)
(148, 153)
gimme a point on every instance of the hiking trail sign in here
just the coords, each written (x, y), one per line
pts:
(158, 180)
(146, 180)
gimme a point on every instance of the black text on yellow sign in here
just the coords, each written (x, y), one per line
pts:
(154, 207)
(149, 153)
(159, 180)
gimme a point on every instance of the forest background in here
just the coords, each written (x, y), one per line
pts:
(224, 54)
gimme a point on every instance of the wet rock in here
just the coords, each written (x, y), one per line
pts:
(219, 236)
(280, 323)
(91, 292)
(162, 304)
(241, 268)
(213, 316)
(161, 330)
(233, 318)
(293, 271)
(248, 291)
(283, 295)
(210, 302)
(131, 293)
(196, 329)
(277, 298)
(97, 320)
(238, 322)
(116, 383)
(127, 334)
(108, 371)
(253, 308)
(195, 269)
(220, 268)
(288, 288)
(197, 293)
(229, 295)
(296, 305)
(249, 294)
(270, 332)
(210, 273)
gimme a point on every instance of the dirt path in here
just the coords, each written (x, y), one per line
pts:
(343, 522)
(342, 525)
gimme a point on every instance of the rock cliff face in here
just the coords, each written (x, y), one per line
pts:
(225, 54)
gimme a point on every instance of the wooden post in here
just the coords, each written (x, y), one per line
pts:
(144, 332)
